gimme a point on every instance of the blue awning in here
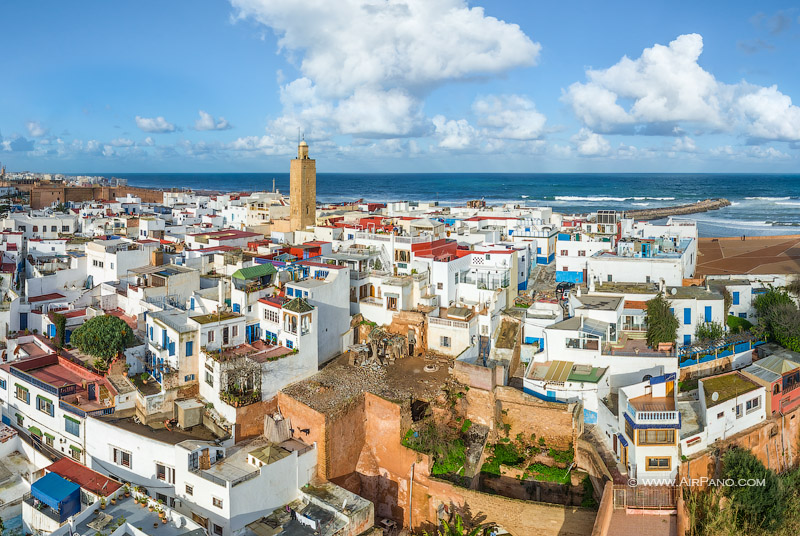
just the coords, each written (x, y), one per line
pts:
(58, 493)
(622, 440)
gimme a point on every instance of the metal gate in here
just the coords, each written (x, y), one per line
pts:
(646, 497)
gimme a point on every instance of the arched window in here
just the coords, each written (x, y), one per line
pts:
(776, 389)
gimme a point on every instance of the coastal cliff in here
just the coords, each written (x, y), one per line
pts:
(678, 210)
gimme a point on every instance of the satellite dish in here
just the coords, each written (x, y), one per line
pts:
(673, 291)
(715, 396)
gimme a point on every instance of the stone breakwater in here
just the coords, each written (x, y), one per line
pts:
(677, 210)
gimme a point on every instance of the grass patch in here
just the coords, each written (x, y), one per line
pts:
(687, 385)
(503, 454)
(465, 426)
(452, 460)
(562, 456)
(540, 471)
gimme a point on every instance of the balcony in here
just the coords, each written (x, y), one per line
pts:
(41, 507)
(372, 301)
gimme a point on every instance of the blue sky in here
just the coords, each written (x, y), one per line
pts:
(400, 85)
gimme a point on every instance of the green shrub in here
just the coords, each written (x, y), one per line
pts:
(562, 456)
(503, 454)
(465, 426)
(737, 325)
(103, 336)
(755, 506)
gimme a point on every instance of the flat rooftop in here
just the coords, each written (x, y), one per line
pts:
(215, 317)
(754, 255)
(159, 432)
(148, 522)
(727, 386)
(652, 403)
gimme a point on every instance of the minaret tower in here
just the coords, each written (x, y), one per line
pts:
(303, 190)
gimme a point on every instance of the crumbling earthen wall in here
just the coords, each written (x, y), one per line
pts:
(523, 414)
(250, 418)
(385, 470)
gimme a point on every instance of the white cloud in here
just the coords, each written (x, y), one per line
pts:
(121, 142)
(207, 122)
(372, 63)
(684, 145)
(666, 86)
(509, 117)
(589, 143)
(154, 124)
(454, 134)
(35, 129)
(148, 142)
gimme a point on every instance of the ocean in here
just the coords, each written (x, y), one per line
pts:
(767, 204)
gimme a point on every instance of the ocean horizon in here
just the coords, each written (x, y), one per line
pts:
(761, 204)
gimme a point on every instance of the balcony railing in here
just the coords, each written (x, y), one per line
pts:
(445, 322)
(372, 301)
(34, 381)
(655, 416)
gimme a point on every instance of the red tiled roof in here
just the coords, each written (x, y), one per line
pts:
(273, 302)
(86, 478)
(45, 297)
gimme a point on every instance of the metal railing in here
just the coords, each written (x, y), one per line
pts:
(211, 478)
(372, 301)
(245, 478)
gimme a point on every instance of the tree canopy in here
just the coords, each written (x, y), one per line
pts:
(779, 318)
(104, 337)
(662, 325)
(754, 505)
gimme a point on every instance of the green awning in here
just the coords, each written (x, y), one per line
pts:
(75, 449)
(68, 418)
(45, 399)
(19, 416)
(35, 431)
(21, 386)
(51, 437)
(254, 272)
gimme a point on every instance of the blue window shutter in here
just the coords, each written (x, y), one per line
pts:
(735, 298)
(742, 315)
(708, 313)
(51, 330)
(687, 315)
(191, 304)
(164, 338)
(672, 311)
(172, 348)
(189, 348)
(236, 308)
(687, 340)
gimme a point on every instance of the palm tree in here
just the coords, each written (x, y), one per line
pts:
(457, 528)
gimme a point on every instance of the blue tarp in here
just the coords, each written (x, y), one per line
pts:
(59, 494)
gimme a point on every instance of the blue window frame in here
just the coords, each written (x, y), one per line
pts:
(742, 315)
(735, 298)
(708, 313)
(687, 340)
(672, 311)
(191, 304)
(687, 315)
(172, 348)
(151, 332)
(164, 338)
(289, 344)
(188, 378)
(189, 348)
(72, 426)
(2, 384)
(51, 330)
(45, 405)
(237, 308)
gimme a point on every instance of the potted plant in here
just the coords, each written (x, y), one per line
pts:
(113, 500)
(151, 507)
(127, 491)
(102, 503)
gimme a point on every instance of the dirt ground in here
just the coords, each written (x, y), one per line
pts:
(754, 255)
(339, 382)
